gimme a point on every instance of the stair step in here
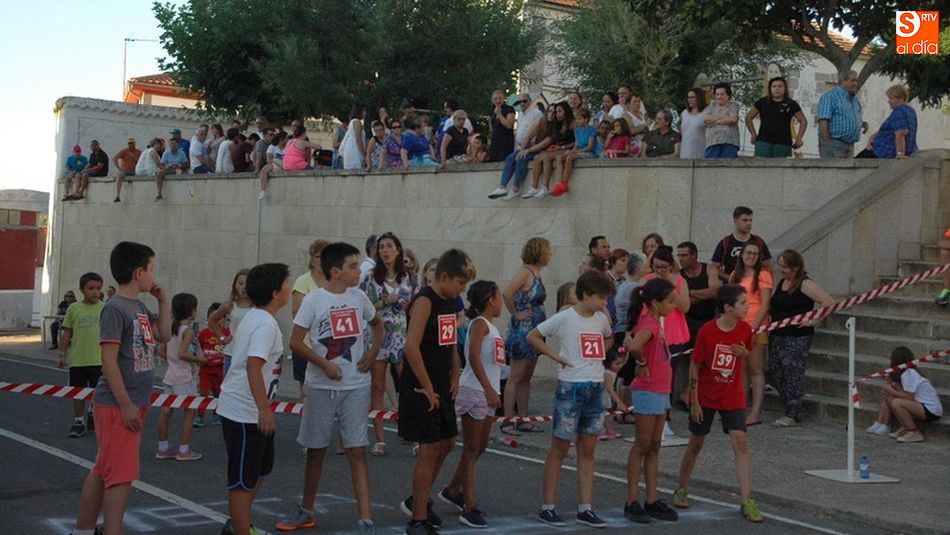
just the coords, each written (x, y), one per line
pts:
(925, 288)
(906, 268)
(910, 306)
(837, 362)
(875, 343)
(917, 327)
(930, 253)
(836, 385)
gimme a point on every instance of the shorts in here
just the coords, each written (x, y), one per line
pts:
(250, 454)
(650, 403)
(201, 169)
(96, 174)
(929, 416)
(733, 420)
(586, 155)
(722, 150)
(471, 402)
(300, 367)
(578, 409)
(184, 389)
(760, 339)
(418, 424)
(210, 379)
(322, 407)
(764, 149)
(84, 376)
(117, 461)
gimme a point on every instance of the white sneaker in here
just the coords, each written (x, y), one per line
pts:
(909, 437)
(499, 192)
(262, 195)
(896, 434)
(877, 428)
(530, 193)
(512, 194)
(667, 431)
(542, 193)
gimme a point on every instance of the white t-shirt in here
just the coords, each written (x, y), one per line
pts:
(918, 385)
(366, 266)
(617, 111)
(336, 325)
(146, 166)
(526, 121)
(196, 149)
(582, 343)
(224, 164)
(257, 337)
(492, 357)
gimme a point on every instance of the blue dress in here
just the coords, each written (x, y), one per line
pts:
(516, 345)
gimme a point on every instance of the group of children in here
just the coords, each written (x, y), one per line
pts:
(434, 388)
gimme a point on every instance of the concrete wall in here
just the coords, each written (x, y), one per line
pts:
(16, 309)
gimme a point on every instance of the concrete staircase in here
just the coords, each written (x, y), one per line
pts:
(907, 317)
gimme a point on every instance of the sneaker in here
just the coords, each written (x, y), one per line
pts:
(77, 430)
(530, 193)
(877, 428)
(512, 194)
(784, 421)
(366, 527)
(769, 389)
(457, 500)
(681, 499)
(262, 195)
(590, 518)
(634, 512)
(551, 518)
(542, 193)
(750, 511)
(158, 198)
(432, 518)
(668, 431)
(165, 454)
(215, 420)
(660, 511)
(559, 189)
(473, 519)
(421, 527)
(198, 422)
(499, 192)
(192, 455)
(299, 519)
(117, 200)
(896, 434)
(910, 437)
(943, 298)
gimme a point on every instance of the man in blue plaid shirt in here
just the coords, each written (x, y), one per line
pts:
(839, 118)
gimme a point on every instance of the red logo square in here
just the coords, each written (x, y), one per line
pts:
(447, 328)
(592, 346)
(344, 323)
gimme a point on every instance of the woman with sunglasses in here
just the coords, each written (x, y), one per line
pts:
(393, 145)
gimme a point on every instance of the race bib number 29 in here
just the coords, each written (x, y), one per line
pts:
(344, 323)
(447, 328)
(592, 346)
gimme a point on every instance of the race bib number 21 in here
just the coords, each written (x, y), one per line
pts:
(592, 346)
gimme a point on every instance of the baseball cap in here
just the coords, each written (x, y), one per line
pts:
(130, 140)
(77, 149)
(175, 132)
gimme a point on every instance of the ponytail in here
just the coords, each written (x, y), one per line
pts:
(655, 289)
(479, 293)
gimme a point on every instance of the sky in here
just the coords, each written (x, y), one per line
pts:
(64, 48)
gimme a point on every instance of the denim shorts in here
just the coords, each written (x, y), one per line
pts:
(650, 403)
(578, 409)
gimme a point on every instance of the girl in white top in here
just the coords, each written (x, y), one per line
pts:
(150, 161)
(910, 397)
(693, 125)
(353, 146)
(478, 395)
(237, 306)
(180, 376)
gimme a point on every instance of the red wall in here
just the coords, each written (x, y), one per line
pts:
(21, 250)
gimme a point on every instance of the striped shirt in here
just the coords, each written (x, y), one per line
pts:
(842, 110)
(902, 117)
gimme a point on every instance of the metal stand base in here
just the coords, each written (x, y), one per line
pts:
(842, 476)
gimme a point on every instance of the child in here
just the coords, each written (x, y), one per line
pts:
(616, 358)
(603, 133)
(211, 373)
(247, 420)
(478, 395)
(127, 338)
(909, 396)
(716, 385)
(81, 342)
(586, 138)
(651, 396)
(565, 296)
(584, 335)
(337, 384)
(426, 412)
(180, 377)
(237, 305)
(476, 149)
(618, 140)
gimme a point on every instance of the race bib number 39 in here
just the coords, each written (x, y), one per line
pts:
(146, 327)
(499, 351)
(592, 346)
(724, 360)
(447, 334)
(344, 323)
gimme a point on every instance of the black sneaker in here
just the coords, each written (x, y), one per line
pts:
(551, 518)
(473, 519)
(457, 500)
(590, 518)
(421, 527)
(634, 512)
(90, 422)
(431, 517)
(660, 511)
(77, 430)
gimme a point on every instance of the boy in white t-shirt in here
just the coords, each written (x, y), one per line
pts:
(583, 332)
(247, 419)
(337, 384)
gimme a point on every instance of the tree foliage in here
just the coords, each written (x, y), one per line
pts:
(316, 58)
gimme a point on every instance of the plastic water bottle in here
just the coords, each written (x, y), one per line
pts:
(864, 466)
(510, 442)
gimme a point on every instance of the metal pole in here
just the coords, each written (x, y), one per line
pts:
(125, 53)
(850, 324)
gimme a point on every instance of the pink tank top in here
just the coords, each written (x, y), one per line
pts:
(294, 158)
(677, 330)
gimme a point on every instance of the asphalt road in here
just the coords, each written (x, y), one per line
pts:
(42, 472)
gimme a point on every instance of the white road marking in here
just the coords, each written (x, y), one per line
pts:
(35, 365)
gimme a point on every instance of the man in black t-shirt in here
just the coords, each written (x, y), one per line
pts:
(702, 280)
(98, 166)
(727, 250)
(775, 112)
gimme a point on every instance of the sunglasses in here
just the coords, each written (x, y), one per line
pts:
(525, 101)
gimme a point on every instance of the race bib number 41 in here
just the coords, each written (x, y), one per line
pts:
(592, 346)
(344, 323)
(724, 360)
(447, 334)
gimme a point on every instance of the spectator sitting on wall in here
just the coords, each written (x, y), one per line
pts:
(416, 150)
(224, 163)
(455, 142)
(259, 155)
(173, 162)
(150, 162)
(183, 144)
(502, 118)
(241, 153)
(75, 164)
(897, 137)
(663, 141)
(408, 109)
(125, 161)
(198, 153)
(98, 166)
(275, 160)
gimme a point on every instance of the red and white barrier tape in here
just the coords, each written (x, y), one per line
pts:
(880, 374)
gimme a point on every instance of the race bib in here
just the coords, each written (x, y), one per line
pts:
(724, 360)
(592, 346)
(344, 323)
(499, 351)
(447, 334)
(146, 327)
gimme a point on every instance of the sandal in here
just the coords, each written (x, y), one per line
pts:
(379, 449)
(529, 427)
(750, 424)
(509, 428)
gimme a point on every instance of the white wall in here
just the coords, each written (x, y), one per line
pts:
(16, 309)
